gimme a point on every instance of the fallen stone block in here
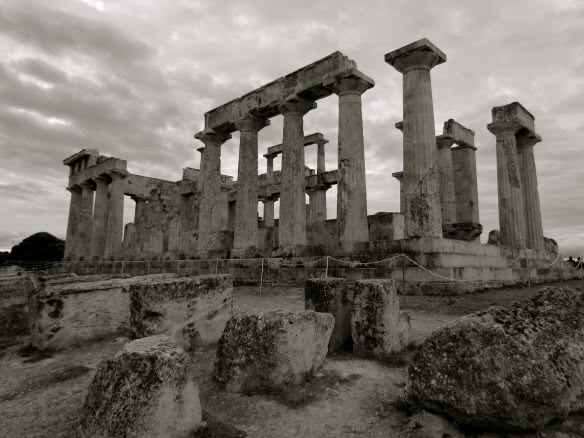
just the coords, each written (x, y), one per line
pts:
(194, 310)
(332, 295)
(375, 319)
(266, 350)
(514, 368)
(146, 390)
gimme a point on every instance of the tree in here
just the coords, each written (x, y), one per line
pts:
(39, 247)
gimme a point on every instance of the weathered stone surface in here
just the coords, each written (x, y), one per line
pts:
(192, 309)
(512, 368)
(146, 390)
(331, 295)
(426, 425)
(375, 318)
(262, 351)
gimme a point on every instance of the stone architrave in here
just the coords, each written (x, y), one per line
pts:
(423, 217)
(210, 186)
(351, 190)
(292, 225)
(115, 216)
(534, 227)
(73, 221)
(100, 215)
(82, 245)
(446, 179)
(511, 207)
(246, 208)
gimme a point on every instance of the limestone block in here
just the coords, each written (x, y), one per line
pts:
(375, 320)
(192, 309)
(331, 295)
(514, 368)
(146, 390)
(266, 350)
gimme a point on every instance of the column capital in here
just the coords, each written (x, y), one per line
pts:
(398, 175)
(87, 184)
(399, 125)
(117, 174)
(296, 106)
(74, 188)
(352, 85)
(444, 141)
(419, 54)
(503, 128)
(251, 123)
(208, 136)
(529, 140)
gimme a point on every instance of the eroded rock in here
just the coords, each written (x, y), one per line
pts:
(514, 368)
(266, 350)
(146, 390)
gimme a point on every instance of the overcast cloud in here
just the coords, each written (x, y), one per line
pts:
(133, 79)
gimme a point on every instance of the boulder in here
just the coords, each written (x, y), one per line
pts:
(423, 424)
(376, 320)
(194, 310)
(331, 295)
(146, 390)
(267, 350)
(514, 368)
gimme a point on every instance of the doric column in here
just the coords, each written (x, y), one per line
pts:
(423, 216)
(100, 217)
(115, 216)
(82, 247)
(534, 227)
(400, 177)
(270, 167)
(446, 179)
(269, 211)
(73, 222)
(210, 186)
(320, 157)
(317, 203)
(292, 225)
(464, 165)
(511, 208)
(245, 234)
(351, 191)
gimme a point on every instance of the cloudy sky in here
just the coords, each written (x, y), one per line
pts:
(133, 78)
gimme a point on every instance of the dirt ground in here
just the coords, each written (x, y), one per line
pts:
(40, 396)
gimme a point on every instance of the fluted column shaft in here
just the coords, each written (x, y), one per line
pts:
(245, 234)
(115, 217)
(292, 225)
(210, 186)
(400, 177)
(270, 168)
(511, 206)
(269, 212)
(320, 157)
(317, 203)
(82, 247)
(533, 222)
(73, 222)
(465, 183)
(351, 189)
(100, 217)
(446, 179)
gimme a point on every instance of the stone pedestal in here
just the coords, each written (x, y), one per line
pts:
(210, 185)
(292, 225)
(100, 215)
(351, 190)
(246, 208)
(115, 217)
(73, 222)
(423, 217)
(82, 246)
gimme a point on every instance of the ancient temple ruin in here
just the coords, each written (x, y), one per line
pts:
(207, 214)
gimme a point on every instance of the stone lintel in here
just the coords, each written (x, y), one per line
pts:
(105, 165)
(79, 155)
(424, 45)
(514, 112)
(444, 141)
(313, 182)
(462, 135)
(306, 82)
(311, 139)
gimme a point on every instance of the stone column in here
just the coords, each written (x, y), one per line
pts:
(464, 165)
(446, 179)
(82, 247)
(100, 217)
(115, 216)
(534, 227)
(511, 208)
(423, 216)
(245, 234)
(270, 168)
(73, 222)
(400, 177)
(320, 161)
(351, 191)
(317, 203)
(210, 186)
(292, 225)
(269, 212)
